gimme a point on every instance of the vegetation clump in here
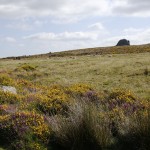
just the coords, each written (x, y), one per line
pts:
(26, 67)
(55, 101)
(6, 80)
(9, 98)
(23, 127)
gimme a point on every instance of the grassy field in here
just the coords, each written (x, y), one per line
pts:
(104, 72)
(77, 100)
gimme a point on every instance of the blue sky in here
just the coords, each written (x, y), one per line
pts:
(33, 26)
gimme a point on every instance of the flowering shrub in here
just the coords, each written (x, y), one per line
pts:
(25, 67)
(9, 98)
(80, 89)
(125, 101)
(55, 101)
(31, 121)
(6, 80)
(29, 101)
(7, 134)
(3, 109)
(26, 87)
(18, 125)
(24, 83)
(6, 109)
(24, 116)
(122, 96)
(36, 146)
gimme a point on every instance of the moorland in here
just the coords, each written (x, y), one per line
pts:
(93, 99)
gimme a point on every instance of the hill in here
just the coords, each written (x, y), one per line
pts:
(107, 71)
(93, 99)
(93, 51)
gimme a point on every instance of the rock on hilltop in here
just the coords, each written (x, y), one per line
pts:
(123, 42)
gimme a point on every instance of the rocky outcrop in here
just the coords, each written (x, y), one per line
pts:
(8, 89)
(123, 42)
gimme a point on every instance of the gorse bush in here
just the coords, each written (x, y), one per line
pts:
(9, 98)
(74, 117)
(7, 108)
(7, 134)
(25, 67)
(6, 80)
(26, 71)
(21, 125)
(80, 89)
(54, 101)
(125, 101)
(3, 108)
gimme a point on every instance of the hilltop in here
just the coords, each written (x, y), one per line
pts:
(93, 51)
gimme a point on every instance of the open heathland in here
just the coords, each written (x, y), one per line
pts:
(76, 100)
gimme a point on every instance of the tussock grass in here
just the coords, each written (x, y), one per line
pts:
(137, 133)
(84, 128)
(89, 126)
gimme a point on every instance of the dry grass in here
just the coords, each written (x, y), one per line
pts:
(84, 128)
(104, 72)
(102, 51)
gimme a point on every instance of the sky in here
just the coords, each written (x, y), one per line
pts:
(30, 27)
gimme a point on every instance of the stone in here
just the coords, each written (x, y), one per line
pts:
(9, 89)
(123, 42)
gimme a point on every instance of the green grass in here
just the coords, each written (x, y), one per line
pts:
(68, 102)
(104, 72)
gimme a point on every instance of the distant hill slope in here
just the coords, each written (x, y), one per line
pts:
(93, 51)
(105, 50)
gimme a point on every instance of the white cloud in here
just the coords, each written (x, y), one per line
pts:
(90, 38)
(59, 8)
(39, 23)
(92, 32)
(132, 30)
(138, 8)
(21, 26)
(68, 11)
(96, 26)
(136, 36)
(9, 39)
(64, 36)
(25, 25)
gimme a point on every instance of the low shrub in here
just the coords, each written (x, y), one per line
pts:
(26, 67)
(6, 80)
(124, 100)
(9, 98)
(72, 118)
(23, 127)
(6, 109)
(8, 134)
(80, 89)
(54, 101)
